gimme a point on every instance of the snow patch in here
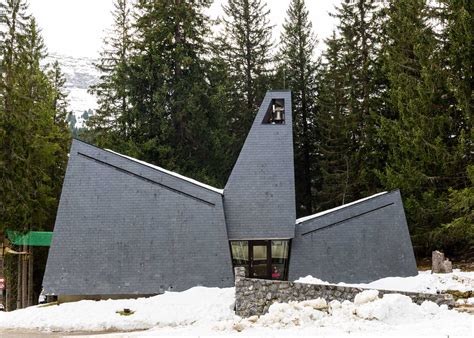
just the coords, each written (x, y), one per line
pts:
(425, 282)
(366, 297)
(307, 218)
(171, 173)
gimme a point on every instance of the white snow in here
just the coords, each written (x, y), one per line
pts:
(307, 218)
(366, 297)
(209, 311)
(173, 309)
(425, 282)
(171, 173)
(80, 74)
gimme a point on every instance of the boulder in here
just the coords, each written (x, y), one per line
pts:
(440, 264)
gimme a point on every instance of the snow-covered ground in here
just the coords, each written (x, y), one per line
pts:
(425, 282)
(209, 311)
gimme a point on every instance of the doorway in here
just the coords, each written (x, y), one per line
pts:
(260, 259)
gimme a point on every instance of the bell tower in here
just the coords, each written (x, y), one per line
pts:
(259, 197)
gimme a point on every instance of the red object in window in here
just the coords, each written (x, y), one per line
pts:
(275, 275)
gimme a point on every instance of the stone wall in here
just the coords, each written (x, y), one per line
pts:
(254, 296)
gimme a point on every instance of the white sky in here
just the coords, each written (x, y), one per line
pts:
(76, 27)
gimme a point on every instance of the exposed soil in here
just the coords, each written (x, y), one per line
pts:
(424, 264)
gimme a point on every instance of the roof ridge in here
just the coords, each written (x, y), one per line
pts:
(169, 172)
(328, 211)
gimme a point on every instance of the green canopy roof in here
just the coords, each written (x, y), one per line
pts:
(33, 238)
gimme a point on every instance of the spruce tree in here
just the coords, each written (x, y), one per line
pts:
(169, 86)
(350, 98)
(335, 128)
(34, 139)
(60, 100)
(14, 118)
(425, 150)
(111, 123)
(297, 60)
(359, 27)
(29, 124)
(456, 54)
(246, 47)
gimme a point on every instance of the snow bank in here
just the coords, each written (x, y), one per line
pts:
(198, 305)
(209, 311)
(393, 313)
(425, 281)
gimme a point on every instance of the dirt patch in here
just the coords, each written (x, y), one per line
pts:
(424, 264)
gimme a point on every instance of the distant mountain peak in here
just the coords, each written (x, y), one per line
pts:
(80, 74)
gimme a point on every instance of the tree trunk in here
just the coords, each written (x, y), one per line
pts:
(24, 279)
(18, 287)
(30, 278)
(307, 160)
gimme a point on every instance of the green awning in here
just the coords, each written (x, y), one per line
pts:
(33, 238)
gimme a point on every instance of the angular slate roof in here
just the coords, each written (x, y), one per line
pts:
(127, 228)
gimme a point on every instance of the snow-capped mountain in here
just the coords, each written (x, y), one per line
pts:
(80, 74)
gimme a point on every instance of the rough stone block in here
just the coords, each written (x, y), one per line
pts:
(439, 264)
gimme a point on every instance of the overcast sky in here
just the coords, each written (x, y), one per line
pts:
(76, 27)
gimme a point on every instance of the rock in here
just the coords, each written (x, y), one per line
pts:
(439, 264)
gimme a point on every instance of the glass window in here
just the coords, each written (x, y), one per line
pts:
(280, 251)
(240, 254)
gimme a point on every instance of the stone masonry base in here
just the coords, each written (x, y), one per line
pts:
(254, 296)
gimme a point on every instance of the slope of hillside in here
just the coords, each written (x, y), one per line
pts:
(80, 74)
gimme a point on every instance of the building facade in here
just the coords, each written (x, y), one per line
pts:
(126, 227)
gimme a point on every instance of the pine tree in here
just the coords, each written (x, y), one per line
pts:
(424, 158)
(456, 55)
(297, 50)
(335, 128)
(351, 91)
(169, 86)
(111, 123)
(246, 47)
(33, 137)
(359, 27)
(14, 118)
(60, 101)
(60, 134)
